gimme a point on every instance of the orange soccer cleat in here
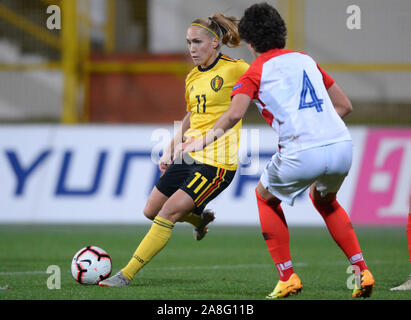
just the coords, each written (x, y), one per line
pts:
(366, 287)
(286, 288)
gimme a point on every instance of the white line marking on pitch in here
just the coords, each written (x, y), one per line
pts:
(214, 267)
(16, 273)
(221, 267)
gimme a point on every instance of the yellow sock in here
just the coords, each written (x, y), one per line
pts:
(191, 218)
(155, 240)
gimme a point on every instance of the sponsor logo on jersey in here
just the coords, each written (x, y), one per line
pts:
(217, 83)
(237, 86)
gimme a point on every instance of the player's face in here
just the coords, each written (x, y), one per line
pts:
(202, 48)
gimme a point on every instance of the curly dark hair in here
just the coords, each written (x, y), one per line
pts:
(263, 28)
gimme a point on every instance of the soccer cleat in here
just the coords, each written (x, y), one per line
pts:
(206, 217)
(404, 287)
(118, 280)
(286, 288)
(366, 287)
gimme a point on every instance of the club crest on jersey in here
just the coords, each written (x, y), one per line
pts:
(216, 83)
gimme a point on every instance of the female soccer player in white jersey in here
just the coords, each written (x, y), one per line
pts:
(188, 184)
(304, 105)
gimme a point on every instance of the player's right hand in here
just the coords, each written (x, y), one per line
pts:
(164, 162)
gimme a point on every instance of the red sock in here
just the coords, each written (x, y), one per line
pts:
(340, 228)
(409, 235)
(275, 232)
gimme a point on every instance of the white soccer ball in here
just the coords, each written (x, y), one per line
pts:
(90, 265)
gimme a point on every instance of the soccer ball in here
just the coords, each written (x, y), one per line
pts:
(90, 265)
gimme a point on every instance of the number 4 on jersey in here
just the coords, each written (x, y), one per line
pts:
(315, 102)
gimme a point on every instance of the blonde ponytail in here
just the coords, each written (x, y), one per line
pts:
(229, 29)
(223, 27)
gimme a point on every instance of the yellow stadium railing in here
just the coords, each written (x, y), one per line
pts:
(70, 62)
(29, 27)
(74, 45)
(176, 68)
(109, 29)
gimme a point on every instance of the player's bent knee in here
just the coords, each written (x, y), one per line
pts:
(149, 213)
(316, 197)
(325, 205)
(171, 215)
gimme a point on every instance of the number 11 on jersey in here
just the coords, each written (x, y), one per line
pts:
(199, 102)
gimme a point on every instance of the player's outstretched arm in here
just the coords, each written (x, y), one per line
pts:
(236, 111)
(340, 100)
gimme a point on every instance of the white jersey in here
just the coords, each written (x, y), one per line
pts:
(290, 90)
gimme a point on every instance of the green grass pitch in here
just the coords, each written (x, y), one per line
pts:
(231, 263)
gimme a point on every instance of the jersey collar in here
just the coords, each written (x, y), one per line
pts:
(211, 65)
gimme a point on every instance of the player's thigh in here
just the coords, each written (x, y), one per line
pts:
(169, 182)
(316, 195)
(177, 206)
(339, 159)
(205, 183)
(265, 194)
(326, 188)
(154, 203)
(288, 175)
(202, 185)
(173, 178)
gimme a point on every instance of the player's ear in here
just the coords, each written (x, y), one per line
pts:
(215, 43)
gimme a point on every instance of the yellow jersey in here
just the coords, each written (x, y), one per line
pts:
(207, 95)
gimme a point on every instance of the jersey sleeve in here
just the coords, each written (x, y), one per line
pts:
(247, 84)
(328, 80)
(242, 68)
(187, 101)
(187, 94)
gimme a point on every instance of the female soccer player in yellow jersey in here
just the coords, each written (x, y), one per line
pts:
(189, 183)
